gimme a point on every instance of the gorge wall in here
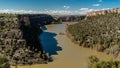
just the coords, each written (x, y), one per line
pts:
(99, 31)
(19, 41)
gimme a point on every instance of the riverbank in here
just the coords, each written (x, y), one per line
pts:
(71, 55)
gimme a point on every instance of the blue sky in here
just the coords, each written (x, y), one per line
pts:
(56, 6)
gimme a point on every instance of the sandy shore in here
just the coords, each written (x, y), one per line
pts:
(65, 54)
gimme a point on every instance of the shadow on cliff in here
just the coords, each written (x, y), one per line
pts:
(49, 43)
(31, 34)
(30, 27)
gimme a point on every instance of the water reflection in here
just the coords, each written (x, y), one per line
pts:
(44, 28)
(49, 43)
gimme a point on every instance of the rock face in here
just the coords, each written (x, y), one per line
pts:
(19, 41)
(103, 12)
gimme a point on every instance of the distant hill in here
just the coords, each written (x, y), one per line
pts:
(68, 18)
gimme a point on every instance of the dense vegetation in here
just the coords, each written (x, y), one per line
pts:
(100, 32)
(4, 63)
(94, 62)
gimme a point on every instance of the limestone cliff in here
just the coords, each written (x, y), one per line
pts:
(103, 12)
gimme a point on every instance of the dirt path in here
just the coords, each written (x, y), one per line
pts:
(65, 53)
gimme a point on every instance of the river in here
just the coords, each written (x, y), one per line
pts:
(64, 52)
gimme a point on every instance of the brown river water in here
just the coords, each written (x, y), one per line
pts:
(64, 52)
